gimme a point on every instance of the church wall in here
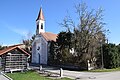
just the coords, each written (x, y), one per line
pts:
(34, 54)
(35, 51)
(44, 52)
(38, 52)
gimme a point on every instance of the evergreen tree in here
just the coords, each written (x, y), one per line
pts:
(111, 56)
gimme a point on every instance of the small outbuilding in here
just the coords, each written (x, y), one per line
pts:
(13, 58)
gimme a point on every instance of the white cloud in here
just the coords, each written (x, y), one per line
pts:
(20, 31)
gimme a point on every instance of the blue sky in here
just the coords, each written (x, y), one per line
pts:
(17, 17)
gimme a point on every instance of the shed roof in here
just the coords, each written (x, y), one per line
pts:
(12, 48)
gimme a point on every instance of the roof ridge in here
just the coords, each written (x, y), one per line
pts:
(48, 32)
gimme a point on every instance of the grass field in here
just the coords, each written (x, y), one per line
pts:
(30, 75)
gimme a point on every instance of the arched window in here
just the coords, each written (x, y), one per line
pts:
(37, 26)
(41, 25)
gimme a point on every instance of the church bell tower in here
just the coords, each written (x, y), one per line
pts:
(40, 22)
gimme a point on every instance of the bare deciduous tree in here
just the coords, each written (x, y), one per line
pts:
(87, 34)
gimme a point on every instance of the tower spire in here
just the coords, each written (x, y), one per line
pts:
(40, 15)
(40, 22)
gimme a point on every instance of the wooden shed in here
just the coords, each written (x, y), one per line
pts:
(13, 58)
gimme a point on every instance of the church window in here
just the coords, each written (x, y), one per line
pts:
(41, 25)
(37, 26)
(38, 48)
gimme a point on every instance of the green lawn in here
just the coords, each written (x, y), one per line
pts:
(30, 75)
(105, 70)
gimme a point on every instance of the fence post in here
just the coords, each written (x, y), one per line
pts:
(88, 62)
(40, 67)
(61, 72)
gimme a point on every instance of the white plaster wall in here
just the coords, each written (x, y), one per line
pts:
(43, 51)
(35, 44)
(40, 22)
(42, 43)
(34, 54)
(38, 44)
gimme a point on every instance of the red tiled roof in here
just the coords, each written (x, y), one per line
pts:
(12, 48)
(49, 36)
(40, 15)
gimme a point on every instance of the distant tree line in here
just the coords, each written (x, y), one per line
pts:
(28, 44)
(2, 47)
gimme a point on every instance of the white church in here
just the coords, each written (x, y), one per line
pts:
(41, 43)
